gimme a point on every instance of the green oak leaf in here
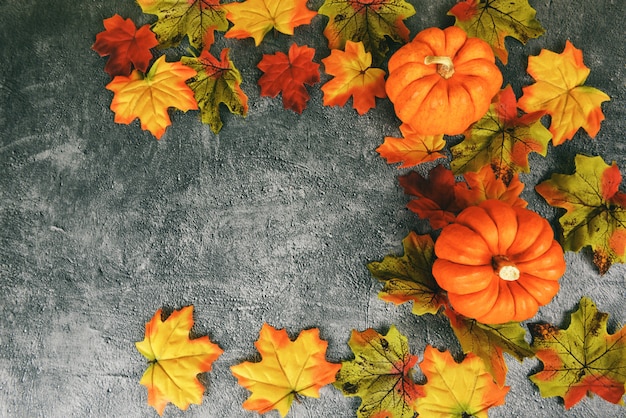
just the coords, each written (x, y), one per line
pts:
(218, 81)
(582, 359)
(595, 209)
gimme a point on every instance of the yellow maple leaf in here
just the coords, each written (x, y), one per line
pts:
(413, 149)
(175, 360)
(559, 91)
(354, 76)
(148, 96)
(288, 369)
(255, 18)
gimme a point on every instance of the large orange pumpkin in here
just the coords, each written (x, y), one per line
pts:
(442, 81)
(498, 263)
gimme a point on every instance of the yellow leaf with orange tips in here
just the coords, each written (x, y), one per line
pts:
(255, 18)
(559, 91)
(288, 369)
(413, 149)
(175, 360)
(149, 96)
(354, 76)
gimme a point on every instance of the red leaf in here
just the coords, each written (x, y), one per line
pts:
(289, 74)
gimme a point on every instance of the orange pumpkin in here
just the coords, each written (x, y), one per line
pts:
(498, 263)
(442, 81)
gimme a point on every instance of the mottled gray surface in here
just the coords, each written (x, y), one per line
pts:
(274, 219)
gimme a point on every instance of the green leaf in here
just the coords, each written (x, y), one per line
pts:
(369, 22)
(582, 359)
(595, 209)
(381, 374)
(493, 20)
(218, 81)
(409, 278)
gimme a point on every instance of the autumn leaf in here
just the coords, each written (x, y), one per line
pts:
(217, 81)
(559, 91)
(381, 374)
(354, 77)
(125, 45)
(493, 20)
(409, 277)
(288, 74)
(439, 198)
(454, 389)
(489, 342)
(255, 18)
(501, 139)
(595, 209)
(288, 369)
(413, 149)
(582, 359)
(196, 19)
(175, 360)
(149, 96)
(368, 21)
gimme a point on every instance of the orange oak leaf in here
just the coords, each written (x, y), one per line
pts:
(148, 96)
(125, 45)
(559, 91)
(354, 76)
(454, 389)
(289, 74)
(501, 139)
(582, 359)
(175, 360)
(255, 18)
(413, 149)
(287, 369)
(381, 374)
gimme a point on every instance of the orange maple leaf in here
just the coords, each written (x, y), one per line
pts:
(175, 360)
(148, 96)
(413, 149)
(559, 91)
(354, 76)
(125, 45)
(288, 369)
(289, 74)
(255, 18)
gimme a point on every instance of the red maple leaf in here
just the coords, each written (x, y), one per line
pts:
(125, 45)
(289, 74)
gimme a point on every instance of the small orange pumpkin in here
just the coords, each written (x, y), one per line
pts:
(498, 263)
(442, 81)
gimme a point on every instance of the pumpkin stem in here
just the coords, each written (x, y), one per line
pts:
(445, 67)
(505, 268)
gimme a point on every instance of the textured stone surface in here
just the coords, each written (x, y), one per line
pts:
(273, 220)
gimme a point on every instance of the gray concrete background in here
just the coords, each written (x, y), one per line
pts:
(273, 220)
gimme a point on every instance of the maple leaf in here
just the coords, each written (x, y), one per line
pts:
(413, 149)
(409, 277)
(493, 20)
(125, 45)
(148, 96)
(196, 19)
(255, 18)
(175, 360)
(289, 74)
(381, 374)
(288, 369)
(454, 389)
(559, 91)
(367, 21)
(217, 81)
(354, 76)
(501, 139)
(595, 209)
(582, 359)
(489, 342)
(439, 198)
